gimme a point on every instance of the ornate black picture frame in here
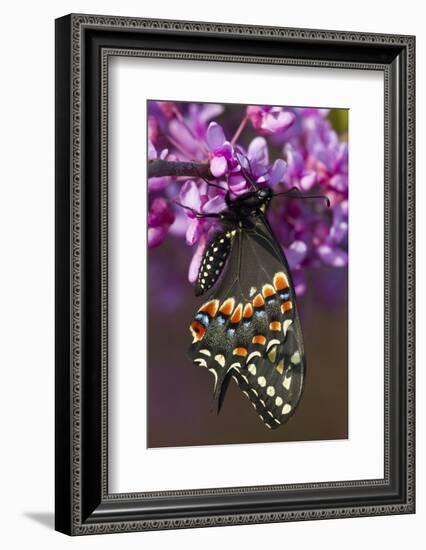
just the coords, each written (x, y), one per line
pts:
(83, 45)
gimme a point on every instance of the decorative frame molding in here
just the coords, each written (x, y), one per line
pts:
(84, 44)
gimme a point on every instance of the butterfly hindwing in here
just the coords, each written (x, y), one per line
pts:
(274, 381)
(249, 328)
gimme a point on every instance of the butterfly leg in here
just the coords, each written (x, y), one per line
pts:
(200, 215)
(292, 190)
(295, 193)
(215, 185)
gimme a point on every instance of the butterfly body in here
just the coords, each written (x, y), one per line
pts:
(248, 328)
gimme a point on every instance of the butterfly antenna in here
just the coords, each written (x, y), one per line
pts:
(249, 176)
(185, 207)
(210, 184)
(295, 193)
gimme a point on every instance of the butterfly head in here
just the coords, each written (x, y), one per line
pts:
(264, 194)
(253, 201)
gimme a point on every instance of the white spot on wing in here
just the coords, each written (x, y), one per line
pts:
(252, 369)
(286, 408)
(286, 383)
(215, 376)
(261, 381)
(205, 352)
(286, 324)
(243, 377)
(272, 343)
(270, 390)
(220, 359)
(252, 291)
(278, 401)
(201, 362)
(253, 354)
(295, 358)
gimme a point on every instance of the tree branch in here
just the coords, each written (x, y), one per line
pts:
(158, 168)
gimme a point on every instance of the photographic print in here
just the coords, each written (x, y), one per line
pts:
(247, 273)
(234, 274)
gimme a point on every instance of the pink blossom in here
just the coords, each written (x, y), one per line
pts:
(270, 120)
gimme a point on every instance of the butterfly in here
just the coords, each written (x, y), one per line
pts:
(248, 329)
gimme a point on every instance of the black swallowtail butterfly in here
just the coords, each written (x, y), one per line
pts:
(249, 329)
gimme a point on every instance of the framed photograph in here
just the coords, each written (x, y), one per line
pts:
(234, 274)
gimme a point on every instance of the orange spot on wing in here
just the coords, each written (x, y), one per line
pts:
(238, 313)
(275, 325)
(248, 311)
(210, 308)
(280, 281)
(198, 330)
(268, 291)
(242, 352)
(258, 301)
(228, 306)
(259, 339)
(286, 306)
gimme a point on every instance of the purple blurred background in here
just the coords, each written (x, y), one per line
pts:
(285, 147)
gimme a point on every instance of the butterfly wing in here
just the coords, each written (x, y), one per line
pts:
(249, 327)
(213, 261)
